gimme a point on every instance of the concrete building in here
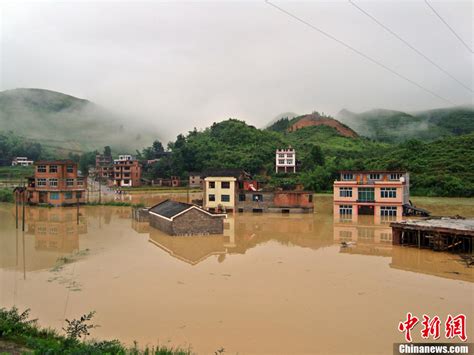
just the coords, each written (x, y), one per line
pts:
(379, 193)
(104, 168)
(195, 180)
(178, 218)
(275, 201)
(220, 187)
(21, 161)
(219, 193)
(56, 183)
(285, 160)
(127, 172)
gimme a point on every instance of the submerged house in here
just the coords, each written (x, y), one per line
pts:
(294, 201)
(376, 193)
(56, 183)
(178, 218)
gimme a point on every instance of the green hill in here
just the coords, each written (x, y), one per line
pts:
(72, 124)
(397, 126)
(443, 167)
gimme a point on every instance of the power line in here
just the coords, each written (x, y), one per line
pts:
(448, 26)
(375, 61)
(408, 44)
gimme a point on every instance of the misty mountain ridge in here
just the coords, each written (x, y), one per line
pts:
(55, 119)
(398, 126)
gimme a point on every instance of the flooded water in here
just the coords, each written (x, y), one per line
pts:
(273, 284)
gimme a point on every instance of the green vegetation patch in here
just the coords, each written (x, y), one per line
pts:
(23, 334)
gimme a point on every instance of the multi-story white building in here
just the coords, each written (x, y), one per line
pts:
(22, 161)
(285, 160)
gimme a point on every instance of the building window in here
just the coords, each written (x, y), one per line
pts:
(53, 182)
(345, 192)
(80, 182)
(386, 237)
(289, 161)
(68, 195)
(366, 194)
(54, 195)
(126, 181)
(41, 168)
(310, 198)
(225, 184)
(345, 235)
(281, 161)
(69, 182)
(374, 176)
(70, 168)
(242, 197)
(53, 168)
(390, 211)
(281, 155)
(395, 176)
(345, 209)
(212, 198)
(212, 185)
(366, 234)
(289, 155)
(388, 192)
(225, 198)
(257, 198)
(347, 176)
(40, 182)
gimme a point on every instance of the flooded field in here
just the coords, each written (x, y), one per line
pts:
(273, 284)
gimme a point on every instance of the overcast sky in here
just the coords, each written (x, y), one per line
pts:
(179, 65)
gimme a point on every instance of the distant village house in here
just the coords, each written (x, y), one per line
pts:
(21, 161)
(195, 180)
(127, 172)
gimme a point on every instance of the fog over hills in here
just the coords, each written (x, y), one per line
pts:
(397, 126)
(59, 120)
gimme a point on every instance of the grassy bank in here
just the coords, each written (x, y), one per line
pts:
(20, 334)
(15, 172)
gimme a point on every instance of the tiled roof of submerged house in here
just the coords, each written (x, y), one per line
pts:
(170, 209)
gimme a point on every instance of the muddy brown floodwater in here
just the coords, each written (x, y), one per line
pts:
(273, 284)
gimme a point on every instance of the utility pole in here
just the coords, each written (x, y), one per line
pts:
(77, 198)
(16, 207)
(23, 214)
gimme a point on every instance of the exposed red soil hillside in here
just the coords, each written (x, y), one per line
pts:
(317, 120)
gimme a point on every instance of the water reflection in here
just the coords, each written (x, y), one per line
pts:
(53, 233)
(49, 234)
(373, 237)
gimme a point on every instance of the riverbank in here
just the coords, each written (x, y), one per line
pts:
(19, 335)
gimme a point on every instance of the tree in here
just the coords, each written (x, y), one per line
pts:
(314, 158)
(107, 151)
